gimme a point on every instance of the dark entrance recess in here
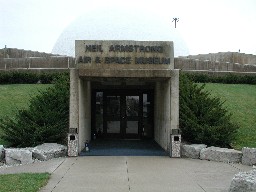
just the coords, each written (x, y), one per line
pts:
(124, 147)
(122, 114)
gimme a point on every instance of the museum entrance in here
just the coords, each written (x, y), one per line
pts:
(122, 114)
(123, 92)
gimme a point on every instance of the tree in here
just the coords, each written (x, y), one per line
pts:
(45, 120)
(203, 118)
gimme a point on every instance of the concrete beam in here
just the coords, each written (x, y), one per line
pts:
(126, 73)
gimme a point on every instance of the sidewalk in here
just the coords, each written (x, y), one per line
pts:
(38, 167)
(139, 174)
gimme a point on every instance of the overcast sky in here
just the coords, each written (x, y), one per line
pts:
(205, 25)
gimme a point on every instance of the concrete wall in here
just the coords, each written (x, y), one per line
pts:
(162, 113)
(222, 61)
(190, 64)
(37, 62)
(228, 61)
(69, 62)
(21, 53)
(231, 57)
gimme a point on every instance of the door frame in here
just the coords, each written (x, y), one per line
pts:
(123, 118)
(122, 93)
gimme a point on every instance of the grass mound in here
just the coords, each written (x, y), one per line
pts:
(25, 182)
(241, 102)
(17, 96)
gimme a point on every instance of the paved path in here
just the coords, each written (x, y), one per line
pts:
(37, 167)
(132, 174)
(141, 174)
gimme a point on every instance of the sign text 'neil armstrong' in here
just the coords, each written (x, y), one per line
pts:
(114, 49)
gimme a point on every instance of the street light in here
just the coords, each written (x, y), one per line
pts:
(175, 19)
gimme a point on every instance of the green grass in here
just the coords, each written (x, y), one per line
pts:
(241, 102)
(17, 96)
(25, 182)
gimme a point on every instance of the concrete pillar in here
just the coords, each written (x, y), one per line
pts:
(84, 112)
(80, 108)
(157, 107)
(73, 103)
(73, 114)
(167, 111)
(175, 99)
(162, 113)
(175, 139)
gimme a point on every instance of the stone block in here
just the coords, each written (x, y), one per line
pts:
(244, 182)
(72, 145)
(192, 151)
(221, 155)
(175, 145)
(249, 156)
(48, 151)
(1, 152)
(18, 156)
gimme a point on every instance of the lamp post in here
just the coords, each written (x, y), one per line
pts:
(175, 19)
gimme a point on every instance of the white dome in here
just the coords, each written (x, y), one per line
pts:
(119, 24)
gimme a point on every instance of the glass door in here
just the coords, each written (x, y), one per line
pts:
(132, 116)
(122, 115)
(112, 115)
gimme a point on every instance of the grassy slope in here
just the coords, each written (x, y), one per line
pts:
(241, 102)
(25, 182)
(16, 96)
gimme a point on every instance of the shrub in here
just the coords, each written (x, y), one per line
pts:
(228, 79)
(45, 120)
(203, 119)
(16, 77)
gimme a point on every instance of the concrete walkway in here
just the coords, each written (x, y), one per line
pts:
(141, 174)
(36, 167)
(135, 174)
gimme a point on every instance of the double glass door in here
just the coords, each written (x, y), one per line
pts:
(122, 116)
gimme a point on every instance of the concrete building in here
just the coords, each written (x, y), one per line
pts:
(125, 90)
(217, 64)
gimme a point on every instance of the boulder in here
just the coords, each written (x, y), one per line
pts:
(249, 156)
(221, 155)
(192, 151)
(1, 153)
(18, 156)
(244, 182)
(48, 151)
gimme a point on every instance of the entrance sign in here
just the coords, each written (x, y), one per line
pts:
(124, 52)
